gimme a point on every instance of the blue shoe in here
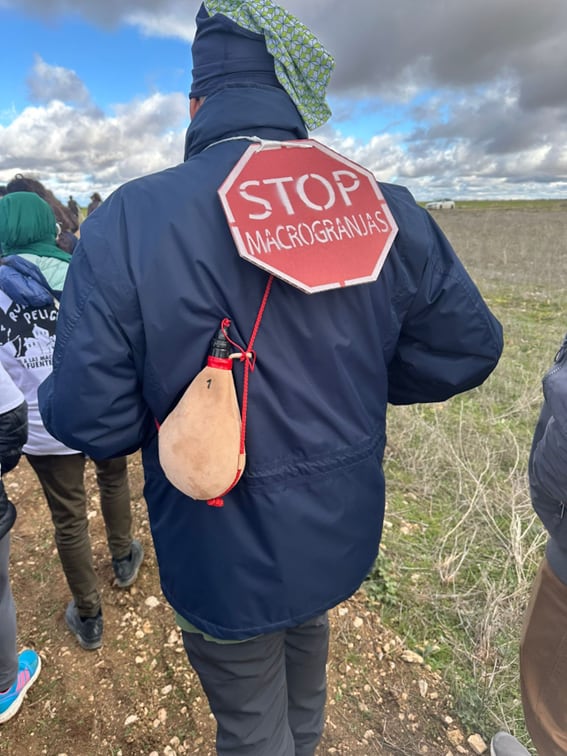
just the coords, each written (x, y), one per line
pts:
(29, 666)
(126, 570)
(506, 745)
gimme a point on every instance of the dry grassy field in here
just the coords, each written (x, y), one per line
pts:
(463, 543)
(424, 657)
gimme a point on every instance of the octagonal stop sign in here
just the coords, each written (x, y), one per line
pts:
(308, 215)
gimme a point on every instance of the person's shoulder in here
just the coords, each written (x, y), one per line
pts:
(410, 217)
(397, 195)
(143, 186)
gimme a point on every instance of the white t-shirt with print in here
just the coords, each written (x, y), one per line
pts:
(27, 339)
(10, 395)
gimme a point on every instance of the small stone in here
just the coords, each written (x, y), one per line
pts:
(130, 720)
(477, 744)
(455, 737)
(411, 657)
(152, 602)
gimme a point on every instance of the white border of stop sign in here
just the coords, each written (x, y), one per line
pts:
(292, 196)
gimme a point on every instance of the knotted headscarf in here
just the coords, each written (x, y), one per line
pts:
(243, 41)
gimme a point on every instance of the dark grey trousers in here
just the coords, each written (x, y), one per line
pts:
(62, 479)
(268, 693)
(8, 650)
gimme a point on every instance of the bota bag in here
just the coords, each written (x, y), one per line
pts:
(201, 443)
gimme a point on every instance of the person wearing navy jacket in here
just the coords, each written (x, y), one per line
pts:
(542, 647)
(153, 274)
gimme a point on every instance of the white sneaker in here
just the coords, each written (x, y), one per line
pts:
(504, 744)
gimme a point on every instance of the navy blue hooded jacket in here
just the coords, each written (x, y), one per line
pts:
(154, 273)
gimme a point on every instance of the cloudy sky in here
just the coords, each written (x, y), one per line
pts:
(459, 98)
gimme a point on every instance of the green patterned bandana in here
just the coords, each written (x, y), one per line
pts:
(302, 64)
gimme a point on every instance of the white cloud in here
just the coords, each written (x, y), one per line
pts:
(47, 83)
(163, 25)
(92, 151)
(480, 86)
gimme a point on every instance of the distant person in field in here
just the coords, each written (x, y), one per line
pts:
(73, 208)
(96, 200)
(18, 672)
(32, 275)
(543, 648)
(155, 273)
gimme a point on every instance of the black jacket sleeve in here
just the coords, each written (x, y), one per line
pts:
(13, 435)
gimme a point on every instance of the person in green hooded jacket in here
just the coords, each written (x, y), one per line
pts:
(28, 228)
(32, 275)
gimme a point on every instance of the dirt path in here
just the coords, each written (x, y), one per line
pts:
(137, 695)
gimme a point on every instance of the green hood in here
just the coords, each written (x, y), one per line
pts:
(27, 226)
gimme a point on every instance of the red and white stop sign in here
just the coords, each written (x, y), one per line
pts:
(308, 215)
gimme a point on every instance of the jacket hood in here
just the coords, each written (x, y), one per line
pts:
(24, 283)
(25, 219)
(244, 110)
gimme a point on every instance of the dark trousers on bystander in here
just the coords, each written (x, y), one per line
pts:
(62, 479)
(8, 651)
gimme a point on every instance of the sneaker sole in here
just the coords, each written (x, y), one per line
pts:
(92, 646)
(12, 710)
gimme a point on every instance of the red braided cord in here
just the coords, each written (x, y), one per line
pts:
(249, 365)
